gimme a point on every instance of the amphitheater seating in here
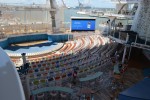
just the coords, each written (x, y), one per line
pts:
(88, 53)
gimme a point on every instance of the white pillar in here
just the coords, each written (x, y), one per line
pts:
(130, 52)
(52, 13)
(24, 58)
(124, 54)
(27, 87)
(125, 49)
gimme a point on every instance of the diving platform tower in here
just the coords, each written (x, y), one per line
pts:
(53, 13)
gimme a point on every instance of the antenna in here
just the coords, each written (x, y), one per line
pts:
(119, 1)
(80, 4)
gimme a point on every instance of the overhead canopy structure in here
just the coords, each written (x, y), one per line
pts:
(140, 91)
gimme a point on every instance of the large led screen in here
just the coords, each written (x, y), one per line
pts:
(83, 25)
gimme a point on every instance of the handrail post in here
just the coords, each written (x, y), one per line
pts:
(125, 49)
(127, 38)
(146, 39)
(130, 52)
(136, 39)
(119, 35)
(114, 31)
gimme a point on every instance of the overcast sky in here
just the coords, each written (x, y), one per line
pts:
(24, 1)
(69, 3)
(93, 3)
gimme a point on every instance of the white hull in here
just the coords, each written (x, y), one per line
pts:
(83, 12)
(104, 14)
(118, 15)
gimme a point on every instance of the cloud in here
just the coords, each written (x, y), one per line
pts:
(69, 3)
(93, 3)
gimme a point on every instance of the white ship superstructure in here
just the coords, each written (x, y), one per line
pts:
(82, 65)
(124, 9)
(139, 29)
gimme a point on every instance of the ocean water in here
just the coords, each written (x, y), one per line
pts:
(68, 13)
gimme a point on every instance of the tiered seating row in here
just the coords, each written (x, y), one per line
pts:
(46, 79)
(56, 68)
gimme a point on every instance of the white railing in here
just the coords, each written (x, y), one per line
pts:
(142, 42)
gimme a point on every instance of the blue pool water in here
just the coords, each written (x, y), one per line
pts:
(32, 49)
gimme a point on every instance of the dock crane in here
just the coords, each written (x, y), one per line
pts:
(64, 5)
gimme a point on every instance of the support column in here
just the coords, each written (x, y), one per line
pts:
(28, 86)
(125, 49)
(124, 54)
(130, 52)
(24, 58)
(53, 21)
(52, 13)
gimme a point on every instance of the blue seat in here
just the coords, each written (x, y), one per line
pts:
(57, 61)
(32, 62)
(52, 74)
(39, 65)
(38, 75)
(57, 66)
(63, 70)
(50, 79)
(36, 70)
(41, 61)
(69, 74)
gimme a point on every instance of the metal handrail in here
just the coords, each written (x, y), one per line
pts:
(139, 42)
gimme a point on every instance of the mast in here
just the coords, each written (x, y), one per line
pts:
(64, 5)
(80, 5)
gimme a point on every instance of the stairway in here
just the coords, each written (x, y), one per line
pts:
(134, 9)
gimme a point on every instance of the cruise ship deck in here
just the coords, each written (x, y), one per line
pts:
(45, 58)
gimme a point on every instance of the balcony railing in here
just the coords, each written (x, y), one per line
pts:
(133, 40)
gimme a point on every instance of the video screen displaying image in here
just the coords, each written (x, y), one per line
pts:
(83, 25)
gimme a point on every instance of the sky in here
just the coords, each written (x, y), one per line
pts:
(93, 3)
(23, 1)
(69, 3)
